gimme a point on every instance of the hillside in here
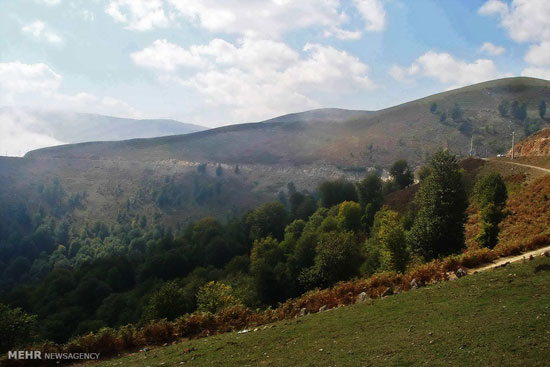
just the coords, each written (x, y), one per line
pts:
(160, 176)
(408, 131)
(536, 145)
(70, 127)
(322, 115)
(495, 318)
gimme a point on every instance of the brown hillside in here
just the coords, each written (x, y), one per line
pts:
(536, 145)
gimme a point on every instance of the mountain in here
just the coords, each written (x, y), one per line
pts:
(176, 178)
(59, 127)
(321, 115)
(411, 131)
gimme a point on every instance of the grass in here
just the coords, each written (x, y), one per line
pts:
(496, 318)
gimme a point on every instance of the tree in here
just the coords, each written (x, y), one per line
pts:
(542, 109)
(491, 189)
(301, 205)
(443, 117)
(219, 170)
(388, 238)
(349, 216)
(168, 302)
(336, 192)
(519, 111)
(491, 195)
(456, 112)
(338, 257)
(504, 108)
(269, 219)
(369, 191)
(201, 168)
(433, 107)
(215, 296)
(423, 172)
(268, 268)
(401, 173)
(17, 328)
(438, 229)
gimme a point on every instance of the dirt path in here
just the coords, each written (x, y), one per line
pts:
(510, 259)
(520, 164)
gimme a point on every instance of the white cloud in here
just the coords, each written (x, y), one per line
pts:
(256, 79)
(525, 20)
(268, 19)
(19, 78)
(49, 2)
(373, 13)
(18, 133)
(38, 30)
(260, 19)
(534, 72)
(448, 70)
(539, 54)
(343, 34)
(492, 49)
(37, 85)
(164, 55)
(139, 15)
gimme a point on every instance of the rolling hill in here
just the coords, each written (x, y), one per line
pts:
(409, 131)
(439, 325)
(58, 127)
(175, 178)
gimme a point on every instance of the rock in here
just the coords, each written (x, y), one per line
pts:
(414, 284)
(547, 253)
(303, 311)
(323, 308)
(460, 273)
(145, 349)
(363, 296)
(397, 290)
(387, 292)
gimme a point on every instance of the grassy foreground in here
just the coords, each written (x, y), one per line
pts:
(496, 318)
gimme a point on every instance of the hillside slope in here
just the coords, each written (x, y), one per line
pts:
(495, 318)
(70, 127)
(409, 131)
(258, 160)
(536, 145)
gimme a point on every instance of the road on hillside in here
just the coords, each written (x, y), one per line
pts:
(511, 259)
(520, 164)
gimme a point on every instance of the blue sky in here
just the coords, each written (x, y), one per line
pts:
(218, 62)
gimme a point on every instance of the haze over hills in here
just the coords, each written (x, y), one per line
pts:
(60, 127)
(177, 178)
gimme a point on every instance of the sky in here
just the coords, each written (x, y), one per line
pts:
(220, 62)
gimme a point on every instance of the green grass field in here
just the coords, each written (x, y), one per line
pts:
(496, 318)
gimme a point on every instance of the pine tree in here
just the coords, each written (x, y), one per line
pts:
(438, 229)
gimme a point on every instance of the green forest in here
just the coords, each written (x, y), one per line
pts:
(58, 281)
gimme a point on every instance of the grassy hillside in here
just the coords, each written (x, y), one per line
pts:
(496, 318)
(305, 149)
(410, 130)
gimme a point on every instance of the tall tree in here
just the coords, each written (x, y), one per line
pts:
(438, 229)
(490, 194)
(401, 173)
(336, 192)
(542, 109)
